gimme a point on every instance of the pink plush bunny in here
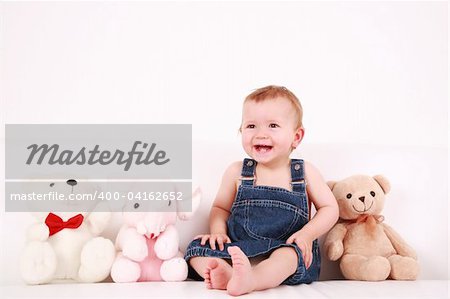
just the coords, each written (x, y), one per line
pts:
(149, 246)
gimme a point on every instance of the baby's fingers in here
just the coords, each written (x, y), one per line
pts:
(220, 242)
(307, 258)
(306, 255)
(212, 242)
(204, 239)
(290, 240)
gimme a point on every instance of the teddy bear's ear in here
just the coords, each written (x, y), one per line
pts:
(383, 182)
(331, 184)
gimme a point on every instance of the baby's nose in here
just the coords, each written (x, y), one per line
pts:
(262, 134)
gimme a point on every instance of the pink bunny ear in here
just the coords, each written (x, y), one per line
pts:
(331, 184)
(383, 182)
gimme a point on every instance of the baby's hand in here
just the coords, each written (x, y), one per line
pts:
(213, 238)
(304, 242)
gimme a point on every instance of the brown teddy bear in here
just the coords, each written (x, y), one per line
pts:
(369, 249)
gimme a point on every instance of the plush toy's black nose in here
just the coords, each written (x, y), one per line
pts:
(362, 198)
(71, 182)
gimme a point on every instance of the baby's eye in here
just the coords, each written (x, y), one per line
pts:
(273, 125)
(250, 126)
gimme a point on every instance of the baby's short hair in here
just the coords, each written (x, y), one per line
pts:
(273, 92)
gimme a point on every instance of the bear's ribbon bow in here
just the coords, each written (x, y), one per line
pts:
(365, 217)
(55, 223)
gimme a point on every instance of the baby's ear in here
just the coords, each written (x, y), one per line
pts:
(299, 134)
(331, 184)
(383, 182)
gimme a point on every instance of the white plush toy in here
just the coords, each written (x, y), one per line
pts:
(65, 245)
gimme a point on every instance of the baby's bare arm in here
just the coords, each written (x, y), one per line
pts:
(326, 216)
(324, 201)
(221, 207)
(220, 210)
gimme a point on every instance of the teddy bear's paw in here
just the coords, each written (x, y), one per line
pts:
(335, 250)
(359, 267)
(125, 270)
(97, 258)
(175, 269)
(166, 248)
(403, 268)
(38, 263)
(135, 249)
(376, 268)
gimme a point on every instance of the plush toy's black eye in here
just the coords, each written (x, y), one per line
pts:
(372, 193)
(136, 205)
(71, 182)
(349, 195)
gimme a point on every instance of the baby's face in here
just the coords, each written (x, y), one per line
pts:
(269, 130)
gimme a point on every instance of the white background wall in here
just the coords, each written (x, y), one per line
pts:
(366, 73)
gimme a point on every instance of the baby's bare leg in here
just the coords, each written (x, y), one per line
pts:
(215, 271)
(267, 274)
(271, 272)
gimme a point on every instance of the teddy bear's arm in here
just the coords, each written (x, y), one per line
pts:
(334, 246)
(132, 244)
(97, 221)
(99, 218)
(399, 244)
(38, 232)
(167, 244)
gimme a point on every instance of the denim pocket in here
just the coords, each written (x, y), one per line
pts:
(269, 219)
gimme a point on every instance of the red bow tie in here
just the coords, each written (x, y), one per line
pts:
(55, 223)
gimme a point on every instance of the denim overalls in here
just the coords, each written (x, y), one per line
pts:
(263, 218)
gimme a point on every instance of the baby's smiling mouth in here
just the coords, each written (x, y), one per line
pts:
(261, 148)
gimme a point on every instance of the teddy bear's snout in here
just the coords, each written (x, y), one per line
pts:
(362, 204)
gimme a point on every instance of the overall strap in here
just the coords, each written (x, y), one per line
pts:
(298, 175)
(248, 172)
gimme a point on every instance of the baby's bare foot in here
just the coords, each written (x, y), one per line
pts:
(241, 281)
(217, 274)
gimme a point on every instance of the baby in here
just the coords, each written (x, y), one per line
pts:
(260, 219)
